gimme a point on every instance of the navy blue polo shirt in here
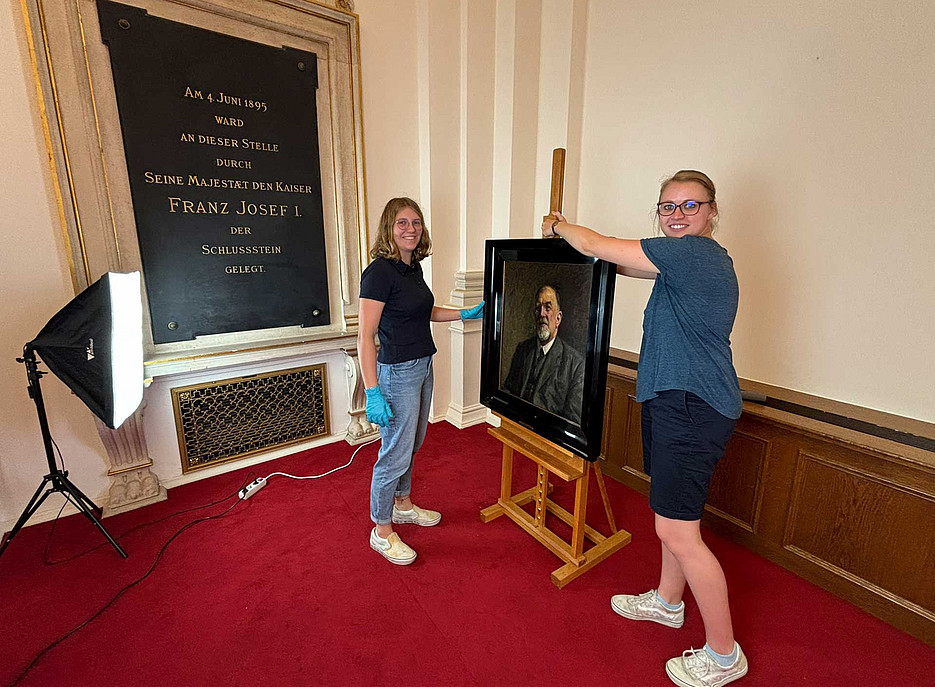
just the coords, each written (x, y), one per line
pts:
(404, 330)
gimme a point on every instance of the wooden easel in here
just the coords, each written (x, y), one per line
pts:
(552, 459)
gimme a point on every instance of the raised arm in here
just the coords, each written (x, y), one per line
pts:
(626, 253)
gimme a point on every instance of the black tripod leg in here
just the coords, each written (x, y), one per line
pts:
(82, 501)
(31, 508)
(78, 494)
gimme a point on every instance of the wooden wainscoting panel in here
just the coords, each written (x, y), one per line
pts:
(623, 452)
(634, 446)
(854, 518)
(737, 486)
(854, 522)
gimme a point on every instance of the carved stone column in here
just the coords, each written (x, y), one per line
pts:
(359, 429)
(132, 483)
(465, 408)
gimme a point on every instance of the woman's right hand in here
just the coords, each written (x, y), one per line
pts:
(378, 410)
(549, 223)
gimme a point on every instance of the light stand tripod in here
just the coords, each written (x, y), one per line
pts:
(56, 480)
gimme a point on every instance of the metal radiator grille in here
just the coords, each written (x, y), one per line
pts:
(232, 418)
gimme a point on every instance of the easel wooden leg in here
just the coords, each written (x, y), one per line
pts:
(604, 497)
(506, 474)
(581, 507)
(506, 488)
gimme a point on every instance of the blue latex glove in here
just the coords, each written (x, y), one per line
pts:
(475, 313)
(378, 410)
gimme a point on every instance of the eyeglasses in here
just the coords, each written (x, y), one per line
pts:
(689, 207)
(403, 223)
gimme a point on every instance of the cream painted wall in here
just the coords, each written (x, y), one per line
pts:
(390, 102)
(817, 122)
(35, 282)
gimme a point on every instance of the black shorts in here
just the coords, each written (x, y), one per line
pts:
(683, 439)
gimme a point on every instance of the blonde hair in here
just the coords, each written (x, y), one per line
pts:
(384, 246)
(699, 178)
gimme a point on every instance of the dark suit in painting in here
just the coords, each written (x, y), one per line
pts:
(556, 383)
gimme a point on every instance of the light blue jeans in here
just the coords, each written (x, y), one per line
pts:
(407, 387)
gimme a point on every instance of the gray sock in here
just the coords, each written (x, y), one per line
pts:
(723, 660)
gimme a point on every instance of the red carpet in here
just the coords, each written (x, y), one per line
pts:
(286, 591)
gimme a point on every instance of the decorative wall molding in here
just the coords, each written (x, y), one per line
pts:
(466, 417)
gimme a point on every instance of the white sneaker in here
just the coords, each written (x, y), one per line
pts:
(416, 516)
(646, 606)
(392, 548)
(696, 668)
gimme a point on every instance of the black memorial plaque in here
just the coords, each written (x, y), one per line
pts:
(221, 142)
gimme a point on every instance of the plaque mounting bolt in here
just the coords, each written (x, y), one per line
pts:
(301, 66)
(316, 312)
(173, 325)
(123, 24)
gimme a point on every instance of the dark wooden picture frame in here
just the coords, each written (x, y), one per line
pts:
(515, 271)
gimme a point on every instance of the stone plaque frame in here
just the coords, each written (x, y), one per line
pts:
(82, 129)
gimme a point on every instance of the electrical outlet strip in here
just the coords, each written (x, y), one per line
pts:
(252, 488)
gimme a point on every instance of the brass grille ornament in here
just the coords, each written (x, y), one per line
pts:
(232, 418)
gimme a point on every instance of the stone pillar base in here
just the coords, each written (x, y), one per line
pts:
(359, 429)
(111, 509)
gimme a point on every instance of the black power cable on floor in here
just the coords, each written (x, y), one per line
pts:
(128, 587)
(45, 558)
(241, 493)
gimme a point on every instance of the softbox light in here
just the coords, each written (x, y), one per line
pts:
(95, 346)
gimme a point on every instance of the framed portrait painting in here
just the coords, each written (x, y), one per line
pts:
(546, 339)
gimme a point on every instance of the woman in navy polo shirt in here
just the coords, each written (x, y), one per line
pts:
(691, 400)
(396, 305)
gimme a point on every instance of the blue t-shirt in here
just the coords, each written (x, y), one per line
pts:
(688, 321)
(404, 331)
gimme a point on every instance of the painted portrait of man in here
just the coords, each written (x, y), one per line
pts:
(545, 335)
(545, 370)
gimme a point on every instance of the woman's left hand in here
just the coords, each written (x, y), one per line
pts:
(548, 224)
(475, 313)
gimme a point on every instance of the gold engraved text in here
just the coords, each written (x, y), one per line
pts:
(211, 207)
(169, 179)
(262, 209)
(240, 250)
(228, 121)
(211, 182)
(239, 164)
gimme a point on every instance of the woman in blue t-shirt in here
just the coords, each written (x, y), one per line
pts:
(691, 401)
(396, 306)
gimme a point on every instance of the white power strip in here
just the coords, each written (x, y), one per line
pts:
(260, 482)
(252, 488)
